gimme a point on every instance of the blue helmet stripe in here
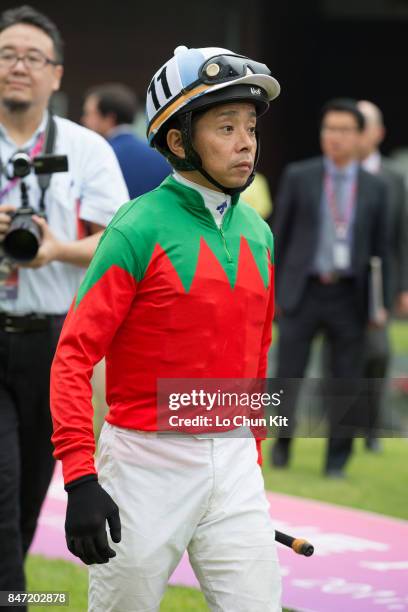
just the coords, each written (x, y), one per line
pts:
(188, 65)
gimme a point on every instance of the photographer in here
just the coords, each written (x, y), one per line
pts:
(70, 209)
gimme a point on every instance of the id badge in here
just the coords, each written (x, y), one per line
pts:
(341, 255)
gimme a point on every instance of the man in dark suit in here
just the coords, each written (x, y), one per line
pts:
(378, 353)
(330, 220)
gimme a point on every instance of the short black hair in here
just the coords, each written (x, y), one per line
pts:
(116, 99)
(344, 105)
(30, 16)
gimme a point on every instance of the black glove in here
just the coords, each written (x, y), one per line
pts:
(89, 507)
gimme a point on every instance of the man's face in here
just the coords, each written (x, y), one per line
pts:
(21, 87)
(339, 136)
(92, 118)
(224, 137)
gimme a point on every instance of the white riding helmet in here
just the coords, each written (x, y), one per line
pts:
(197, 79)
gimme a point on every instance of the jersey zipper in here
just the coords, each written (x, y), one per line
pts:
(224, 242)
(220, 231)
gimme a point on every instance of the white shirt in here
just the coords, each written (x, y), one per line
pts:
(216, 202)
(92, 190)
(372, 163)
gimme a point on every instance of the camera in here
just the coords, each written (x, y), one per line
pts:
(21, 164)
(23, 238)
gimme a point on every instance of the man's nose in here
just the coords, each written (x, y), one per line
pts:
(19, 66)
(246, 140)
(333, 137)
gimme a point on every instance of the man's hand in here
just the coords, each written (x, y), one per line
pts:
(50, 247)
(381, 319)
(76, 252)
(402, 304)
(89, 507)
(5, 219)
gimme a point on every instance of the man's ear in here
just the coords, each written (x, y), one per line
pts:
(58, 73)
(175, 143)
(111, 119)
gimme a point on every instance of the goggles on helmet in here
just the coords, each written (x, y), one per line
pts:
(224, 68)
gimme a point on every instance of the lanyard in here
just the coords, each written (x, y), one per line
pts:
(33, 153)
(341, 223)
(46, 142)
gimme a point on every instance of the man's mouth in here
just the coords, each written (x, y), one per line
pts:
(244, 165)
(17, 84)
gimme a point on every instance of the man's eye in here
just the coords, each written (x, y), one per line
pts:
(252, 130)
(34, 58)
(227, 128)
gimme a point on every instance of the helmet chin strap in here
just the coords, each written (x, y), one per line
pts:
(195, 163)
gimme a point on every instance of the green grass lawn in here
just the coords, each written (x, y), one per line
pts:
(399, 337)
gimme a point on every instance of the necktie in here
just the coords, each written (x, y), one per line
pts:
(339, 181)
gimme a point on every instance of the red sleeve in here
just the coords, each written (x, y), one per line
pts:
(259, 450)
(100, 307)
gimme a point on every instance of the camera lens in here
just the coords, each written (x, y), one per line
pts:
(23, 239)
(21, 163)
(21, 245)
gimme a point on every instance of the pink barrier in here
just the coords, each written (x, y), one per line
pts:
(360, 562)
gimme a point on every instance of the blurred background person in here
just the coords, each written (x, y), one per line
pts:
(72, 208)
(373, 161)
(110, 110)
(378, 353)
(330, 220)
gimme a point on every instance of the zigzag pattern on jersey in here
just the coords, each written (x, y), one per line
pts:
(160, 222)
(205, 266)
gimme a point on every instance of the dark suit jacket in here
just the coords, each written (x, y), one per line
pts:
(397, 226)
(296, 225)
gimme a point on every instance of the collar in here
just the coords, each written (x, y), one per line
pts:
(210, 196)
(189, 197)
(216, 201)
(31, 141)
(118, 130)
(349, 171)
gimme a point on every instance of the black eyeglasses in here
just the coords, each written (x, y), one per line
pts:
(222, 68)
(334, 129)
(33, 60)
